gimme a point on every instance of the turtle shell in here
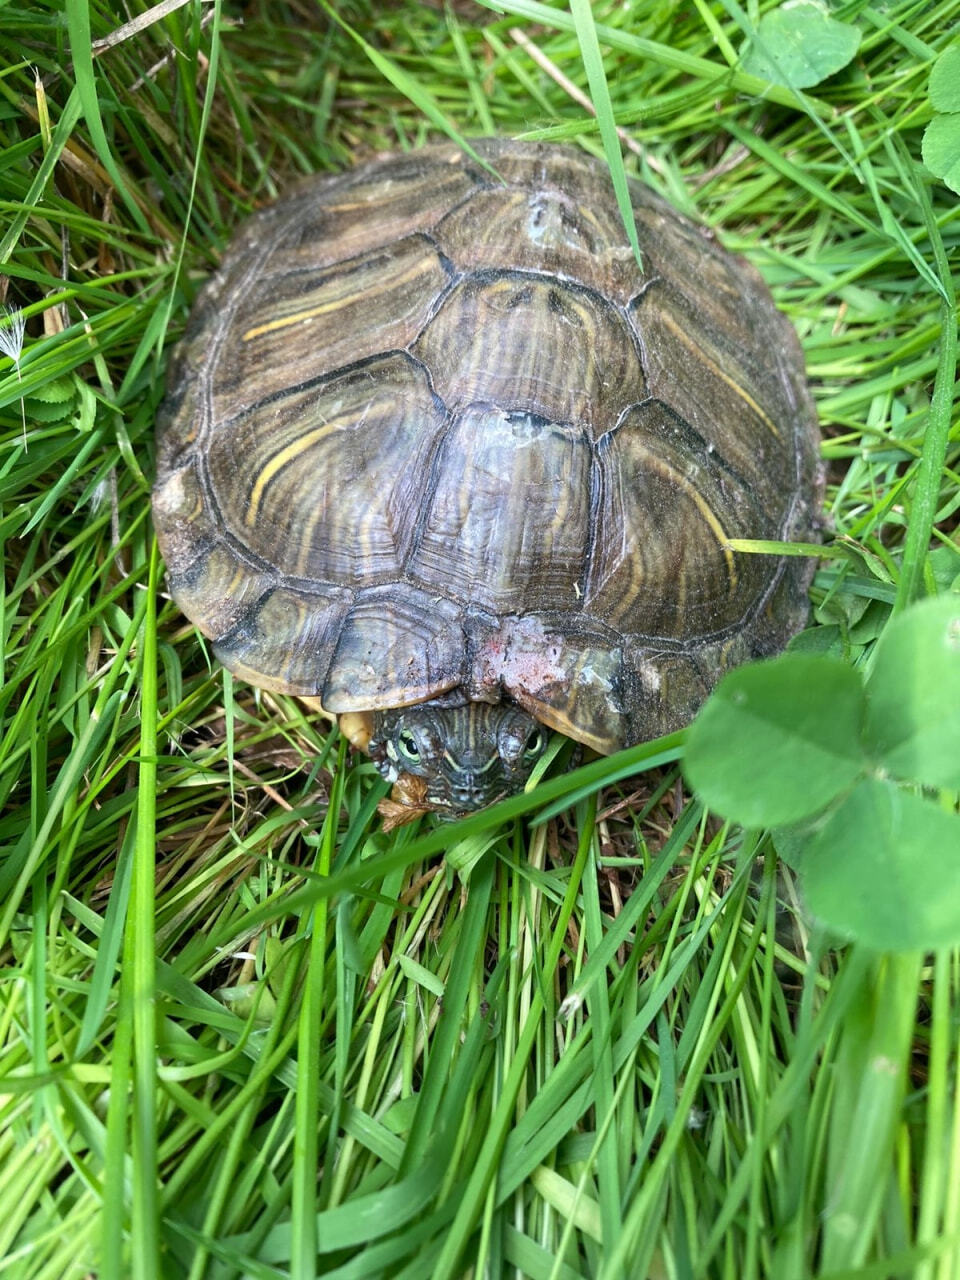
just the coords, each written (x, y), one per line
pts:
(433, 432)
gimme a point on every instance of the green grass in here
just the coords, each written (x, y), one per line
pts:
(223, 1048)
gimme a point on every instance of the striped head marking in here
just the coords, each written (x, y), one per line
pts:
(469, 755)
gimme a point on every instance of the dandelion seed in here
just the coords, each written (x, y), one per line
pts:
(101, 492)
(13, 326)
(11, 335)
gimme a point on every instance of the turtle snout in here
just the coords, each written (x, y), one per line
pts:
(468, 792)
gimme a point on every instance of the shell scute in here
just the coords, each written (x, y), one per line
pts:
(543, 230)
(570, 679)
(327, 220)
(657, 476)
(541, 167)
(727, 388)
(309, 481)
(219, 589)
(213, 584)
(663, 688)
(509, 519)
(532, 345)
(324, 319)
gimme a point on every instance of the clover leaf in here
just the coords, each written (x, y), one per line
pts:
(804, 743)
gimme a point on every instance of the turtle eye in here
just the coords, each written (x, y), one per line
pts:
(534, 744)
(409, 747)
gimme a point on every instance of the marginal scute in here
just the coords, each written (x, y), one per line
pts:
(286, 641)
(213, 585)
(218, 589)
(179, 421)
(571, 680)
(783, 611)
(397, 646)
(664, 688)
(185, 525)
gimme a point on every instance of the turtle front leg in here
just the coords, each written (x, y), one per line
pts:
(357, 728)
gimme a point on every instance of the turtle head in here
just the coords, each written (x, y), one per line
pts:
(469, 756)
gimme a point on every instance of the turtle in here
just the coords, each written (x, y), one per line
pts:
(442, 456)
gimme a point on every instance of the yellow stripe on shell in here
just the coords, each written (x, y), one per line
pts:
(281, 460)
(705, 510)
(718, 532)
(716, 528)
(590, 217)
(715, 368)
(366, 294)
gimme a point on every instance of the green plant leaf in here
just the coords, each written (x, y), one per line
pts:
(941, 149)
(885, 869)
(58, 391)
(53, 402)
(825, 639)
(944, 87)
(799, 44)
(39, 412)
(912, 724)
(778, 740)
(602, 105)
